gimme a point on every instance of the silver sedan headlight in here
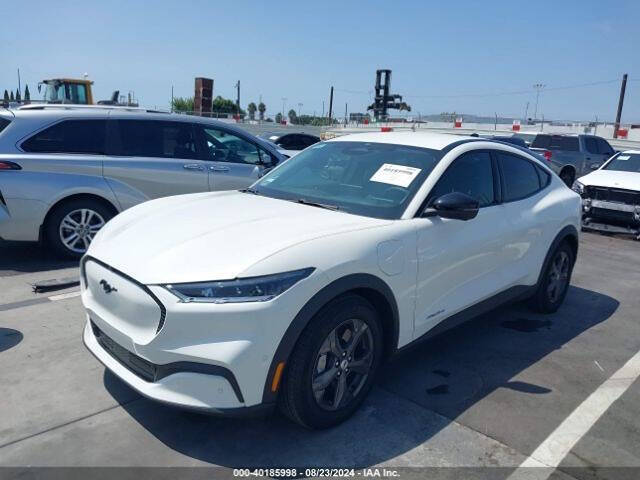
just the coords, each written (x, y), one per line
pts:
(578, 187)
(241, 290)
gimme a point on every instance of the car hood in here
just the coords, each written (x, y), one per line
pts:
(612, 179)
(212, 236)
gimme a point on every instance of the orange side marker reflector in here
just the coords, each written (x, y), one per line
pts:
(275, 383)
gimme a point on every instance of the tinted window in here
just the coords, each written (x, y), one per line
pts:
(3, 123)
(591, 145)
(472, 174)
(556, 142)
(520, 177)
(604, 147)
(149, 138)
(70, 136)
(223, 146)
(305, 141)
(371, 179)
(545, 177)
(287, 142)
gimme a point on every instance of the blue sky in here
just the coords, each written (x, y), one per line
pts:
(445, 56)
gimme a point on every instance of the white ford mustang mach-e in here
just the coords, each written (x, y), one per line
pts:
(293, 291)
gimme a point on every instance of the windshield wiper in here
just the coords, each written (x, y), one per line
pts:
(316, 204)
(249, 190)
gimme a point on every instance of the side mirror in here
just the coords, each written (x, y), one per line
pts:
(455, 205)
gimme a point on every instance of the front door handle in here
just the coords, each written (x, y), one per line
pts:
(193, 166)
(216, 168)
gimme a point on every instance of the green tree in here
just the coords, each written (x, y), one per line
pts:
(12, 98)
(180, 104)
(224, 105)
(6, 97)
(27, 94)
(18, 96)
(293, 116)
(262, 108)
(251, 108)
(278, 117)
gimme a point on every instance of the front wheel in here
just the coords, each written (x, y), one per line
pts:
(555, 280)
(334, 363)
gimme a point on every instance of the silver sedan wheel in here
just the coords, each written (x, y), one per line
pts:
(342, 364)
(78, 228)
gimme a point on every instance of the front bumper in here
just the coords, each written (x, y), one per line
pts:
(207, 357)
(612, 217)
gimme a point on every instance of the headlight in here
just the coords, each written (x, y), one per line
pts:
(241, 290)
(578, 187)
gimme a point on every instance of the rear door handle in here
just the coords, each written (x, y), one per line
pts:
(193, 166)
(216, 168)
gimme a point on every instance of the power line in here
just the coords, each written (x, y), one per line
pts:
(496, 94)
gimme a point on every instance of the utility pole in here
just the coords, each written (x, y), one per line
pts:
(299, 107)
(330, 105)
(345, 114)
(284, 100)
(526, 110)
(538, 87)
(19, 86)
(322, 108)
(238, 100)
(623, 87)
(171, 98)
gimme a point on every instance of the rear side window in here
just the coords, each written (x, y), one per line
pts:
(556, 142)
(3, 124)
(521, 178)
(151, 138)
(70, 136)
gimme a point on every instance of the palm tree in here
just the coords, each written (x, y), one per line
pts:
(293, 116)
(251, 108)
(262, 108)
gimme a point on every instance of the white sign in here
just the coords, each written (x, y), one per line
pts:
(399, 175)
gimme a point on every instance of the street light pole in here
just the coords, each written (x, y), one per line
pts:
(538, 87)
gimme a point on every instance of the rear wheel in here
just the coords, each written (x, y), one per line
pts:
(71, 227)
(567, 176)
(555, 280)
(334, 363)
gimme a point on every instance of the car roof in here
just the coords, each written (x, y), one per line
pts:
(633, 152)
(435, 141)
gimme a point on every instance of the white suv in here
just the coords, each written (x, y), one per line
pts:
(295, 290)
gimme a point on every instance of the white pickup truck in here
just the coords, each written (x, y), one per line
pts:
(570, 155)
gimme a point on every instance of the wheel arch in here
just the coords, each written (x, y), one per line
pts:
(370, 287)
(76, 196)
(568, 234)
(568, 168)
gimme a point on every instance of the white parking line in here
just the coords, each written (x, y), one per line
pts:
(62, 296)
(557, 445)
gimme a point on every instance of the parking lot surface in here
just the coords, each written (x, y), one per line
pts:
(486, 394)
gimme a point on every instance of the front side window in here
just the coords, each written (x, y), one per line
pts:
(625, 162)
(591, 145)
(70, 136)
(150, 138)
(371, 179)
(222, 146)
(521, 178)
(604, 147)
(471, 174)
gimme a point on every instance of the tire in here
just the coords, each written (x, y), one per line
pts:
(344, 316)
(88, 215)
(567, 176)
(548, 298)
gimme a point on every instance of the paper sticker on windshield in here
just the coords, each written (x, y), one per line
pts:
(624, 157)
(399, 175)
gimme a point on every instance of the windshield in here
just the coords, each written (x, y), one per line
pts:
(58, 92)
(371, 179)
(625, 162)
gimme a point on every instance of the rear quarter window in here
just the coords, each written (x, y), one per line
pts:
(70, 136)
(3, 124)
(521, 177)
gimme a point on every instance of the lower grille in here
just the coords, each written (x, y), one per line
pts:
(614, 216)
(629, 197)
(141, 367)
